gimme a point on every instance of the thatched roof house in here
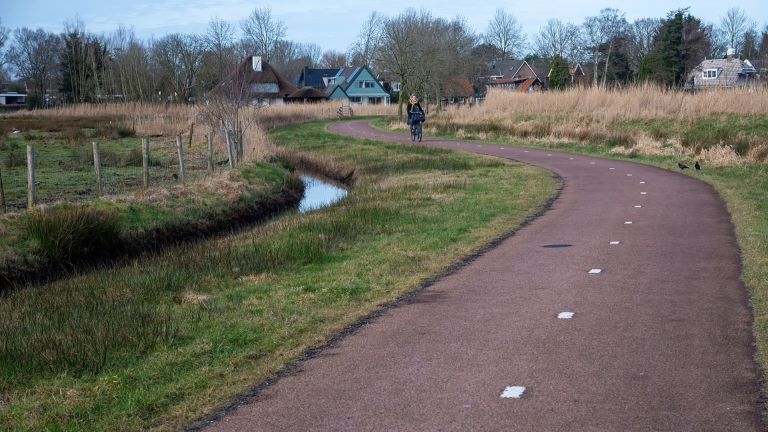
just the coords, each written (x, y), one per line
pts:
(257, 80)
(307, 94)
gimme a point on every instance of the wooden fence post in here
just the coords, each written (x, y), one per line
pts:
(229, 150)
(97, 167)
(2, 195)
(210, 152)
(30, 177)
(145, 160)
(180, 143)
(239, 141)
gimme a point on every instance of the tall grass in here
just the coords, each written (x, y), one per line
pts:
(720, 126)
(71, 232)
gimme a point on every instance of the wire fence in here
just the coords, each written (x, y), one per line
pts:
(71, 176)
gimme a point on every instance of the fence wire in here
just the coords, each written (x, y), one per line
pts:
(70, 176)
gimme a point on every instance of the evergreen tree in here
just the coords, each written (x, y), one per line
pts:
(559, 77)
(81, 66)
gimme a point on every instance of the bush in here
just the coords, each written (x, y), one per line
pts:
(71, 232)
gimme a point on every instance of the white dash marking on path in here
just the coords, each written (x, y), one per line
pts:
(612, 168)
(591, 163)
(629, 175)
(513, 392)
(614, 242)
(549, 154)
(525, 151)
(643, 193)
(565, 315)
(572, 158)
(628, 223)
(642, 182)
(595, 271)
(638, 206)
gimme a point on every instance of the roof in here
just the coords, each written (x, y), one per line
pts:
(512, 69)
(314, 77)
(458, 88)
(267, 75)
(729, 73)
(308, 93)
(527, 84)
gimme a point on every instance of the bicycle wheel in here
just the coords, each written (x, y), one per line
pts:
(413, 133)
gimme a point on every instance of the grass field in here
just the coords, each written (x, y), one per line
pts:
(164, 340)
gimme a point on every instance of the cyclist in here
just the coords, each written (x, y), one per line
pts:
(412, 107)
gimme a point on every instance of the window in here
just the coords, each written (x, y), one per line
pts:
(365, 84)
(709, 73)
(356, 99)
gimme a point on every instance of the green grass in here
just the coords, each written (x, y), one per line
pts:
(743, 188)
(164, 340)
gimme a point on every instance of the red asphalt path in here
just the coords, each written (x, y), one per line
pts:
(660, 339)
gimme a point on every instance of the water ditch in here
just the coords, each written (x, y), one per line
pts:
(319, 193)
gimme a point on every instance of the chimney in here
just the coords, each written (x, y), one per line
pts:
(730, 53)
(256, 63)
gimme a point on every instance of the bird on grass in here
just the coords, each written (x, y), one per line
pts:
(175, 176)
(697, 166)
(681, 166)
(224, 162)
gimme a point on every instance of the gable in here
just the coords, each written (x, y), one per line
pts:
(362, 82)
(336, 92)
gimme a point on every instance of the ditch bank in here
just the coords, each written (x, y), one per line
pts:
(113, 245)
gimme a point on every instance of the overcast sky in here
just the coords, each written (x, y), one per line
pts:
(333, 24)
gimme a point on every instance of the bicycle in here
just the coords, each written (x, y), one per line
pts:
(418, 119)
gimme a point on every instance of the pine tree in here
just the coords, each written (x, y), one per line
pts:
(559, 77)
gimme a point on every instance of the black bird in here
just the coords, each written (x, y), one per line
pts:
(697, 166)
(224, 162)
(681, 166)
(175, 176)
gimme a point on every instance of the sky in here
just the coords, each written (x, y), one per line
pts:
(333, 25)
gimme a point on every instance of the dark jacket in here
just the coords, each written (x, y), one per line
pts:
(410, 109)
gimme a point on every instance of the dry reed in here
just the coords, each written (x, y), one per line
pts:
(607, 116)
(168, 120)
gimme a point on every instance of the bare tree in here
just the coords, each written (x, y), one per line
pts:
(220, 42)
(129, 73)
(735, 24)
(35, 57)
(611, 27)
(402, 48)
(333, 59)
(364, 50)
(264, 32)
(180, 56)
(640, 39)
(505, 33)
(4, 35)
(558, 38)
(232, 106)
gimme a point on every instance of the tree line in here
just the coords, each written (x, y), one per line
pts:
(419, 50)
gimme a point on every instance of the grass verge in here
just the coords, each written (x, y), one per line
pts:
(743, 187)
(165, 340)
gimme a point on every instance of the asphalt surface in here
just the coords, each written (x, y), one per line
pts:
(659, 340)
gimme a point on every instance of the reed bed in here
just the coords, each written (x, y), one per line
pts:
(723, 127)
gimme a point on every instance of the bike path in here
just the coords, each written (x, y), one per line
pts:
(659, 337)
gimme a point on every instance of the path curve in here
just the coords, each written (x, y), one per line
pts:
(660, 339)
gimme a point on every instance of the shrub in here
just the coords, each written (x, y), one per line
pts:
(73, 136)
(70, 232)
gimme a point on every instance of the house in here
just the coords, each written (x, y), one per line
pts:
(13, 99)
(358, 85)
(307, 95)
(263, 82)
(315, 78)
(458, 91)
(512, 75)
(722, 73)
